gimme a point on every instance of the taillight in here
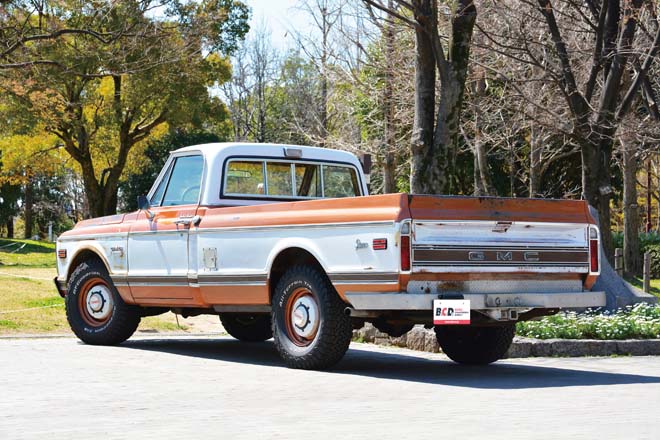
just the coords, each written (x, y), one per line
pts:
(405, 246)
(405, 253)
(593, 249)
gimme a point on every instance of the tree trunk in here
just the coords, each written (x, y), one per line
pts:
(486, 186)
(389, 169)
(464, 16)
(631, 247)
(597, 189)
(93, 190)
(324, 77)
(433, 140)
(536, 149)
(649, 197)
(484, 172)
(28, 208)
(476, 176)
(10, 227)
(426, 173)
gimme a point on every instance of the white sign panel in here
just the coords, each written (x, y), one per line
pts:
(451, 311)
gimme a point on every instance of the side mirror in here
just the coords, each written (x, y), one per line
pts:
(144, 205)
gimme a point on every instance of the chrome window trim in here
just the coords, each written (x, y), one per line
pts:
(264, 161)
(201, 180)
(166, 167)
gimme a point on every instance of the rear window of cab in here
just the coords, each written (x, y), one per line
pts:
(281, 179)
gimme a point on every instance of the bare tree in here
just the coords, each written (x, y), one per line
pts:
(256, 67)
(436, 125)
(320, 48)
(585, 50)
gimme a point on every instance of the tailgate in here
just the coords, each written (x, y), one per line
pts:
(498, 235)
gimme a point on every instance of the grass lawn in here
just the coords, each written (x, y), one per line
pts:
(26, 253)
(639, 283)
(29, 303)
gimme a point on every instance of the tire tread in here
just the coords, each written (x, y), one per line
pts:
(125, 320)
(336, 329)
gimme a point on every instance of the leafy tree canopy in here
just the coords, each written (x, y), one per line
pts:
(98, 79)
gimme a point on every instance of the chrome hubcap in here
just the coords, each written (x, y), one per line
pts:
(305, 317)
(99, 302)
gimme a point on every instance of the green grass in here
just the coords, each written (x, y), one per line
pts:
(639, 283)
(18, 293)
(26, 283)
(5, 323)
(641, 321)
(51, 301)
(46, 313)
(33, 254)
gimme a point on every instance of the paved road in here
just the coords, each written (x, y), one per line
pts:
(194, 388)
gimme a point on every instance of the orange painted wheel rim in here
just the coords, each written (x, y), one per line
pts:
(302, 317)
(95, 302)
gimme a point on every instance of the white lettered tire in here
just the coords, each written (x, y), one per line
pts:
(95, 310)
(310, 328)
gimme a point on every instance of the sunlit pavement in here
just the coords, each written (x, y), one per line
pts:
(202, 387)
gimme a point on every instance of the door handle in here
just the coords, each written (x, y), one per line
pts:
(187, 221)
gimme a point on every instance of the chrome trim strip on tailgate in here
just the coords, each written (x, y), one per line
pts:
(413, 301)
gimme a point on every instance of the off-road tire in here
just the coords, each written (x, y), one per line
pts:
(475, 345)
(246, 327)
(334, 331)
(123, 319)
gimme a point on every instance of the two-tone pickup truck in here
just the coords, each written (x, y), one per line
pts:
(285, 242)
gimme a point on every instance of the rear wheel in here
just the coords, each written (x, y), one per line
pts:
(246, 327)
(310, 328)
(475, 345)
(95, 310)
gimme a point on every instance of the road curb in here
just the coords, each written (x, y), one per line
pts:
(422, 339)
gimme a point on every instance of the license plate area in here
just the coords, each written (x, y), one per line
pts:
(451, 311)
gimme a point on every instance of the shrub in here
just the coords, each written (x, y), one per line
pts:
(654, 250)
(648, 242)
(641, 321)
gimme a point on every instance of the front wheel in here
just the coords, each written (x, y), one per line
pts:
(310, 328)
(94, 309)
(475, 345)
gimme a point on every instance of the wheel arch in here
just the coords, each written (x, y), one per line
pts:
(86, 253)
(286, 258)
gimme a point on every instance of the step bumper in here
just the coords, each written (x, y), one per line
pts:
(478, 301)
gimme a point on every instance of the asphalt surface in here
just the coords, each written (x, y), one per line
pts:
(199, 388)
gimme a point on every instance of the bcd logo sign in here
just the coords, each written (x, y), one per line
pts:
(444, 311)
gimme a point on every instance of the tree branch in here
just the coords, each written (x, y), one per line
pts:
(576, 101)
(640, 74)
(393, 13)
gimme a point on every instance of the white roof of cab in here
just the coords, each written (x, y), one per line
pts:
(228, 149)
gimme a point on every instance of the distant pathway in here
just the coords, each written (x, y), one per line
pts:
(25, 276)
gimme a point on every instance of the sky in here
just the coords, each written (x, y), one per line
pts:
(279, 16)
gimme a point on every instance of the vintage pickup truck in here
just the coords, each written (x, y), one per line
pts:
(285, 242)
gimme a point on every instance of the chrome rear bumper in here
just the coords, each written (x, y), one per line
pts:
(478, 301)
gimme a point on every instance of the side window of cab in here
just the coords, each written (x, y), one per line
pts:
(181, 182)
